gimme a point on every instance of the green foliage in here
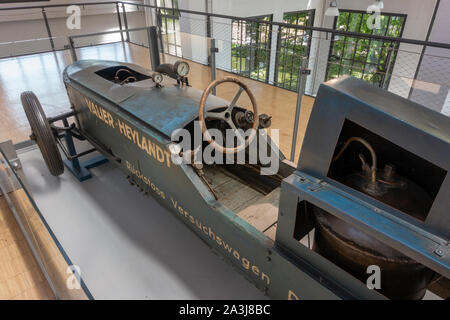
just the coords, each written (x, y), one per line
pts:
(362, 57)
(250, 48)
(294, 45)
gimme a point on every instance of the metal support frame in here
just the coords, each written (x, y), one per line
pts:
(79, 169)
(303, 72)
(390, 51)
(153, 47)
(213, 51)
(72, 46)
(125, 21)
(119, 20)
(47, 26)
(73, 53)
(208, 20)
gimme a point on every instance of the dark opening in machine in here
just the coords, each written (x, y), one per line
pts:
(384, 171)
(354, 251)
(121, 74)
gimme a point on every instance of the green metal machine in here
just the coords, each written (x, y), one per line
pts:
(265, 223)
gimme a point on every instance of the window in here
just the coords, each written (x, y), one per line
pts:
(170, 27)
(361, 57)
(293, 44)
(250, 48)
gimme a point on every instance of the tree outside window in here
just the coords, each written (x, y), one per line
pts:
(250, 48)
(293, 45)
(363, 57)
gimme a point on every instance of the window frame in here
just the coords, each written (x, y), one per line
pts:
(312, 13)
(267, 46)
(395, 44)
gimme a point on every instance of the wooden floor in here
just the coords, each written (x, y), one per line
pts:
(20, 278)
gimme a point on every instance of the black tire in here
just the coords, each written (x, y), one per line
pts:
(42, 132)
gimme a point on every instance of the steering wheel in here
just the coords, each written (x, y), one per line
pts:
(128, 79)
(116, 77)
(226, 115)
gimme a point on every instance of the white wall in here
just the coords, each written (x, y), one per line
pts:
(193, 32)
(27, 30)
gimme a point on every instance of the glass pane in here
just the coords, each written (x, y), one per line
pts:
(395, 27)
(364, 28)
(357, 69)
(349, 49)
(375, 51)
(362, 50)
(354, 22)
(47, 262)
(293, 45)
(333, 70)
(383, 26)
(345, 67)
(249, 42)
(342, 21)
(377, 79)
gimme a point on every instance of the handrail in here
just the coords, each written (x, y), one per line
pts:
(273, 23)
(30, 40)
(85, 35)
(61, 5)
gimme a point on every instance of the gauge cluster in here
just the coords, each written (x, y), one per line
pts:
(181, 68)
(178, 71)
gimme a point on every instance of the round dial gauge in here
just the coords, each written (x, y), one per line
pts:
(157, 78)
(181, 68)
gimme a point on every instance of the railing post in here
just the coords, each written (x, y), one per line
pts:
(119, 20)
(125, 21)
(47, 26)
(159, 24)
(303, 73)
(208, 21)
(390, 50)
(72, 49)
(213, 51)
(152, 34)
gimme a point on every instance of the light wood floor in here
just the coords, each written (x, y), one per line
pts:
(20, 278)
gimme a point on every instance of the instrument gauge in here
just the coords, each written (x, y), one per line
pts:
(157, 78)
(181, 68)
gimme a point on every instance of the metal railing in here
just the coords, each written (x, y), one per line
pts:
(414, 69)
